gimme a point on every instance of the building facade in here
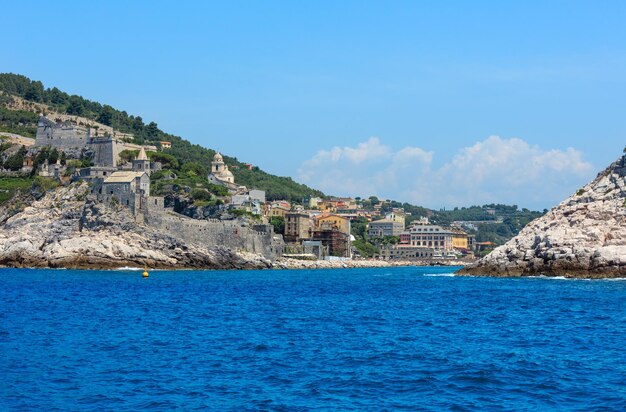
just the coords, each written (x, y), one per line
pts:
(336, 242)
(384, 227)
(298, 226)
(333, 222)
(460, 239)
(430, 236)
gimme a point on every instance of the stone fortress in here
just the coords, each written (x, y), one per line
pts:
(129, 186)
(64, 133)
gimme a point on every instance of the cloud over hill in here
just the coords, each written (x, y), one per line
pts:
(501, 170)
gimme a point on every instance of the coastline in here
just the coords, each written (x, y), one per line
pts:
(617, 272)
(245, 261)
(295, 264)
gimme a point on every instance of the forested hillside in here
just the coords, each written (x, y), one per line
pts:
(24, 123)
(498, 222)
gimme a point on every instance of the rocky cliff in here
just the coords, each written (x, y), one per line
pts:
(584, 236)
(66, 228)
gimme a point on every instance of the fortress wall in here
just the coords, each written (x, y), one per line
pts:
(61, 136)
(208, 233)
(105, 153)
(131, 146)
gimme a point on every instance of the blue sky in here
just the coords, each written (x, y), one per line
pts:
(437, 103)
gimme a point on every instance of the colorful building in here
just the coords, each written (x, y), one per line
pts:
(332, 222)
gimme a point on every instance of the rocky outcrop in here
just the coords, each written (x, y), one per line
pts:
(66, 228)
(584, 236)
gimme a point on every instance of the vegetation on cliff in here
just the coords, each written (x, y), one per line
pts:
(185, 164)
(182, 150)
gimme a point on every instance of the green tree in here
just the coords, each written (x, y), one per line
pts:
(106, 115)
(54, 156)
(34, 92)
(195, 168)
(76, 106)
(359, 228)
(127, 155)
(200, 194)
(57, 97)
(167, 160)
(16, 161)
(279, 224)
(365, 248)
(152, 131)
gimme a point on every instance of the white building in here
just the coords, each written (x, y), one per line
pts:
(219, 171)
(430, 236)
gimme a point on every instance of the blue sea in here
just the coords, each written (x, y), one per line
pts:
(347, 339)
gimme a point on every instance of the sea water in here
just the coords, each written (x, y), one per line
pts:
(348, 339)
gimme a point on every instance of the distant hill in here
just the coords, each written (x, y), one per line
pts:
(19, 115)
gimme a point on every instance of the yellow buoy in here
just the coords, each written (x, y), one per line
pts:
(145, 272)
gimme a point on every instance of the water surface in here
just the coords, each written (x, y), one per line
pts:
(348, 339)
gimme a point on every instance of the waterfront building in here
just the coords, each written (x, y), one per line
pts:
(460, 239)
(336, 242)
(298, 226)
(406, 252)
(431, 236)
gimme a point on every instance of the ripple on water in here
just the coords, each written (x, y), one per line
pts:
(363, 339)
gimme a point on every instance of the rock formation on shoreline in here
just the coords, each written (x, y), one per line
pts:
(68, 229)
(584, 236)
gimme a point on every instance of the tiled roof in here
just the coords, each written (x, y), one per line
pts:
(123, 177)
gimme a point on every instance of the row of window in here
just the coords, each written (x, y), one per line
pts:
(423, 237)
(429, 243)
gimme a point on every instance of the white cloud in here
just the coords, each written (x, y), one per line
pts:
(493, 170)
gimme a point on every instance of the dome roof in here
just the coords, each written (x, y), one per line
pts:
(227, 172)
(218, 157)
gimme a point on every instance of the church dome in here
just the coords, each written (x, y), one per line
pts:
(227, 173)
(218, 157)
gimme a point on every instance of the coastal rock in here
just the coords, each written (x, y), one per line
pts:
(66, 228)
(583, 236)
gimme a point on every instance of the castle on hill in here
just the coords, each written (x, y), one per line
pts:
(67, 135)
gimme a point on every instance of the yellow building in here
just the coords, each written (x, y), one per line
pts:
(278, 211)
(330, 221)
(459, 239)
(325, 206)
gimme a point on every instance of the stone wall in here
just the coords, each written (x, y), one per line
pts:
(207, 233)
(105, 151)
(131, 146)
(60, 135)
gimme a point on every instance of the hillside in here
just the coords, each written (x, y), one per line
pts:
(22, 100)
(583, 236)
